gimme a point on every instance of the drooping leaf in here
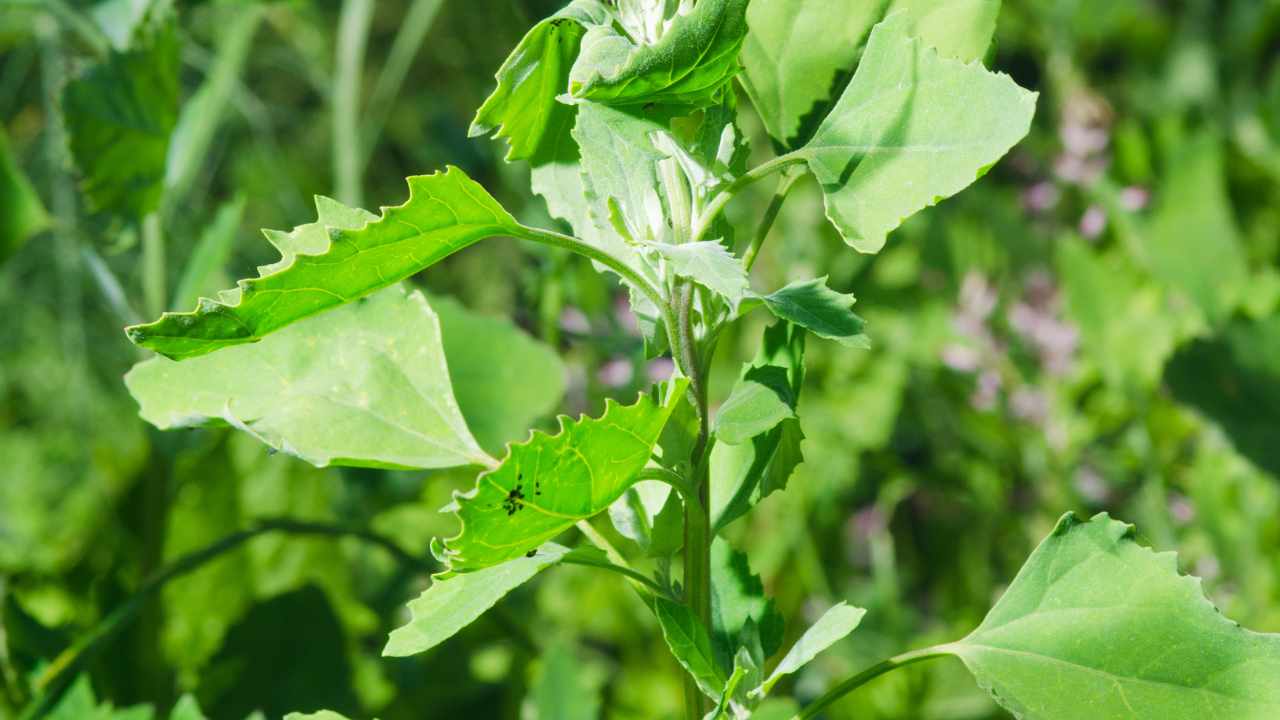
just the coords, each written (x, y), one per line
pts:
(691, 63)
(503, 378)
(738, 601)
(818, 309)
(446, 212)
(911, 128)
(761, 399)
(523, 108)
(367, 384)
(1097, 627)
(832, 627)
(709, 264)
(566, 687)
(743, 474)
(21, 214)
(120, 114)
(689, 642)
(1193, 245)
(548, 483)
(451, 604)
(211, 253)
(1234, 379)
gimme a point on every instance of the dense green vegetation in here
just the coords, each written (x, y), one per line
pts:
(1058, 223)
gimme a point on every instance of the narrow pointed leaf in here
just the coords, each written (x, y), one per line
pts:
(689, 643)
(366, 384)
(1097, 627)
(445, 213)
(820, 310)
(691, 63)
(548, 483)
(450, 605)
(834, 625)
(911, 129)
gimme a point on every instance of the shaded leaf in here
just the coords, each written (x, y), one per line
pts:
(833, 626)
(1097, 627)
(651, 515)
(451, 604)
(911, 128)
(689, 643)
(366, 384)
(738, 604)
(820, 310)
(549, 482)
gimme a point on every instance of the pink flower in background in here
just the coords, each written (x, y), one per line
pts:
(575, 321)
(616, 373)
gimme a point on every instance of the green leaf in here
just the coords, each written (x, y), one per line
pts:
(503, 378)
(911, 128)
(186, 709)
(761, 399)
(691, 63)
(689, 643)
(21, 214)
(743, 474)
(743, 666)
(211, 253)
(548, 483)
(523, 108)
(651, 515)
(566, 688)
(445, 213)
(1193, 245)
(820, 310)
(619, 165)
(738, 602)
(1097, 627)
(367, 384)
(795, 52)
(709, 264)
(1234, 379)
(959, 29)
(832, 627)
(450, 605)
(321, 715)
(120, 114)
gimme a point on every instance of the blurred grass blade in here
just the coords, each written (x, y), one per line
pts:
(211, 254)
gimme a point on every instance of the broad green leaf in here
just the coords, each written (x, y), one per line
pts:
(1193, 245)
(450, 605)
(738, 602)
(911, 128)
(619, 165)
(795, 52)
(818, 309)
(504, 379)
(691, 63)
(1097, 627)
(366, 384)
(832, 627)
(743, 474)
(548, 483)
(959, 29)
(119, 115)
(444, 214)
(21, 214)
(523, 108)
(761, 399)
(709, 264)
(1234, 379)
(566, 688)
(211, 253)
(688, 641)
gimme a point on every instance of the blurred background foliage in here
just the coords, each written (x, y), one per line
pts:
(1093, 326)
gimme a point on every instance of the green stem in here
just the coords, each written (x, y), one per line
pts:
(58, 676)
(759, 172)
(417, 21)
(899, 661)
(785, 182)
(624, 570)
(153, 265)
(353, 35)
(675, 480)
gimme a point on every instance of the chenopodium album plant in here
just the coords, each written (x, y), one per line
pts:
(625, 113)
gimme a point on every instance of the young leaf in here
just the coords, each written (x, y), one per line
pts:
(450, 605)
(363, 385)
(691, 63)
(911, 128)
(1097, 627)
(738, 601)
(548, 483)
(820, 310)
(444, 214)
(689, 643)
(832, 627)
(503, 378)
(21, 214)
(709, 264)
(760, 400)
(619, 166)
(523, 108)
(120, 114)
